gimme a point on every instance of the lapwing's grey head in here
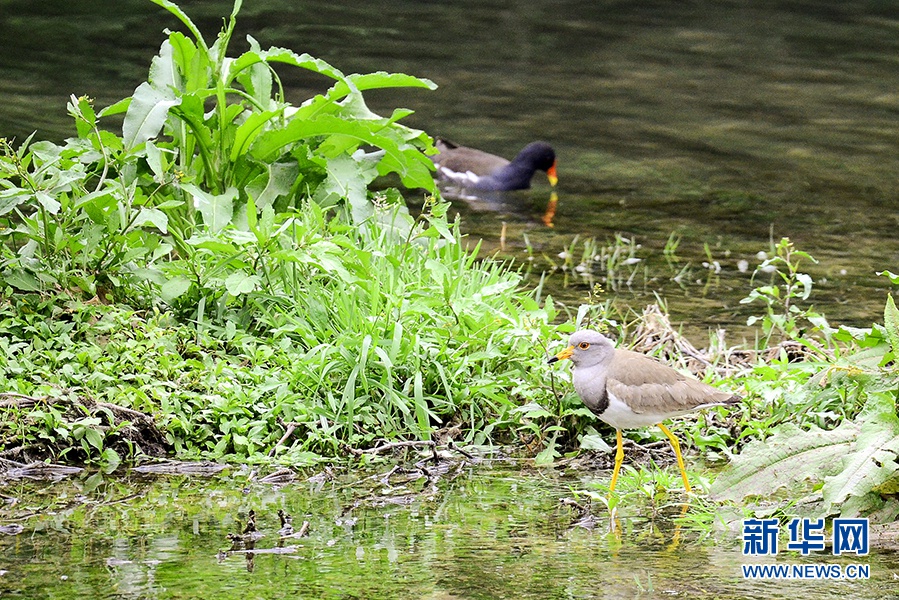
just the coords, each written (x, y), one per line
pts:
(587, 348)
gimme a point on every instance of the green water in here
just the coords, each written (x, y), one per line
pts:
(485, 532)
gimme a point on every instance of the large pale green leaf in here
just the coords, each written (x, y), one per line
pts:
(11, 198)
(240, 283)
(872, 461)
(155, 161)
(594, 442)
(154, 217)
(348, 179)
(282, 55)
(257, 79)
(175, 287)
(146, 114)
(163, 74)
(271, 143)
(194, 66)
(116, 109)
(50, 204)
(275, 181)
(378, 80)
(23, 281)
(217, 209)
(791, 455)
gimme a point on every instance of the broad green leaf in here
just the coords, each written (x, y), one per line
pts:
(282, 55)
(154, 161)
(191, 112)
(378, 80)
(271, 143)
(154, 217)
(240, 283)
(23, 281)
(11, 198)
(532, 410)
(274, 182)
(256, 79)
(547, 456)
(413, 167)
(94, 438)
(173, 288)
(83, 112)
(116, 109)
(111, 460)
(872, 461)
(50, 204)
(347, 179)
(208, 242)
(163, 74)
(217, 209)
(806, 281)
(382, 79)
(29, 249)
(193, 65)
(146, 115)
(788, 457)
(253, 218)
(594, 442)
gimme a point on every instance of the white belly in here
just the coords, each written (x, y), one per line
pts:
(620, 416)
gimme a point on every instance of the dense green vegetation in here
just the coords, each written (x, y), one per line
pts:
(228, 271)
(224, 267)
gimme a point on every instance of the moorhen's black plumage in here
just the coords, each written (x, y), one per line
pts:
(476, 170)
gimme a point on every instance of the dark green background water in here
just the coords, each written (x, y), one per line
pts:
(722, 122)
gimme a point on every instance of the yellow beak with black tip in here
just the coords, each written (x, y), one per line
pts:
(566, 353)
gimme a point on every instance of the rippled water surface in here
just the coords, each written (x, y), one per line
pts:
(484, 533)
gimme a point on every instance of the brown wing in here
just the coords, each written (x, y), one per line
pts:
(462, 159)
(650, 385)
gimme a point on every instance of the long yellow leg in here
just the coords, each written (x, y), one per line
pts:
(680, 458)
(619, 457)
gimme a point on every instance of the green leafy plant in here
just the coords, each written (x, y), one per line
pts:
(790, 286)
(209, 143)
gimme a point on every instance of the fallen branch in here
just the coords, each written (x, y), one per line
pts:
(304, 529)
(289, 429)
(17, 400)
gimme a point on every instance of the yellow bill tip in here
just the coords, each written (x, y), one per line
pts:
(552, 176)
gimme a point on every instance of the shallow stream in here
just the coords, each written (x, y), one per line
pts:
(489, 531)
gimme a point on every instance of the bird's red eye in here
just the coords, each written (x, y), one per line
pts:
(583, 345)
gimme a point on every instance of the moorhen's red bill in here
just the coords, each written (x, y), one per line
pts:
(476, 170)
